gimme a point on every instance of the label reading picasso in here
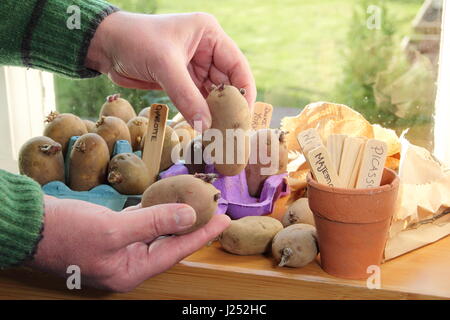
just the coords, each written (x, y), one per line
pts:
(372, 164)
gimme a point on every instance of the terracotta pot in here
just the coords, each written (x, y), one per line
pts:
(352, 224)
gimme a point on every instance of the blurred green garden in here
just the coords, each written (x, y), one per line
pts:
(301, 51)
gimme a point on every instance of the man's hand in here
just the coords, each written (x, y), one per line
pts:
(118, 251)
(183, 54)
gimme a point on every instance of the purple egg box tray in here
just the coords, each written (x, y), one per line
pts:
(235, 199)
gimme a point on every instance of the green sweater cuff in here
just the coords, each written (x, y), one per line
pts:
(55, 41)
(21, 218)
(53, 35)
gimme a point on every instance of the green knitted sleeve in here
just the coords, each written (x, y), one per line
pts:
(21, 218)
(52, 35)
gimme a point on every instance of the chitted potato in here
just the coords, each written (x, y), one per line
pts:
(171, 141)
(41, 159)
(262, 164)
(193, 156)
(230, 112)
(194, 190)
(116, 106)
(298, 212)
(112, 129)
(128, 174)
(90, 126)
(89, 160)
(250, 235)
(62, 126)
(138, 129)
(178, 118)
(145, 113)
(295, 246)
(185, 134)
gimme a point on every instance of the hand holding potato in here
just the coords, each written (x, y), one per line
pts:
(183, 54)
(118, 251)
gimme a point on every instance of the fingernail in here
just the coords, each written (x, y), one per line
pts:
(205, 121)
(185, 217)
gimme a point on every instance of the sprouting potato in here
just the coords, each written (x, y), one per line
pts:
(89, 160)
(145, 113)
(128, 174)
(112, 129)
(250, 235)
(138, 129)
(298, 212)
(194, 190)
(193, 156)
(262, 161)
(295, 246)
(185, 134)
(116, 106)
(90, 126)
(178, 118)
(230, 111)
(63, 126)
(41, 159)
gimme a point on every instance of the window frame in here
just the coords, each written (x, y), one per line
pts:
(442, 105)
(26, 97)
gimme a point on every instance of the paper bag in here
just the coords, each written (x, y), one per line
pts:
(423, 208)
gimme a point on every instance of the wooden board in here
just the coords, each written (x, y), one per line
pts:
(211, 273)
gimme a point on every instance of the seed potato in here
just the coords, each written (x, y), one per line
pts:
(298, 212)
(250, 235)
(90, 126)
(115, 106)
(295, 246)
(112, 129)
(138, 129)
(193, 157)
(89, 160)
(185, 134)
(62, 126)
(194, 190)
(145, 113)
(230, 110)
(261, 162)
(128, 174)
(41, 159)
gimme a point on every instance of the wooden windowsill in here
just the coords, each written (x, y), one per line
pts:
(211, 273)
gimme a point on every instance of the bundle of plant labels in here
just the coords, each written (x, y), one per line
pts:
(345, 162)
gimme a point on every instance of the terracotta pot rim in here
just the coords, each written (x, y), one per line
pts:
(355, 192)
(355, 223)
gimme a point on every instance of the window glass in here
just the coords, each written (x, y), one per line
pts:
(376, 56)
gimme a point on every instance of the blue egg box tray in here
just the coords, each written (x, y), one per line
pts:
(104, 194)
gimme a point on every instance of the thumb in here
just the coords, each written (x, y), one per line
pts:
(147, 224)
(181, 89)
